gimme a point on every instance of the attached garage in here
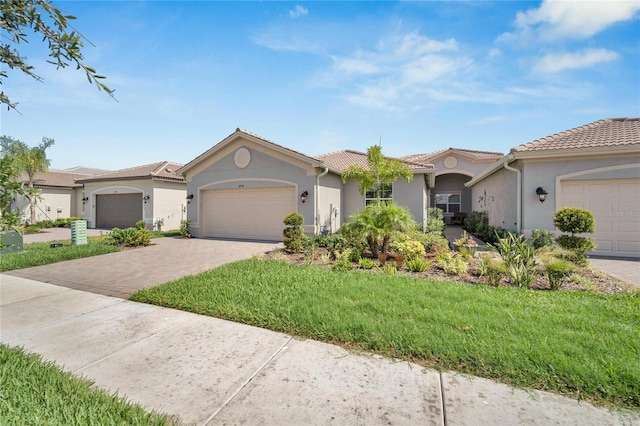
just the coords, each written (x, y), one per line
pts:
(118, 210)
(615, 204)
(251, 213)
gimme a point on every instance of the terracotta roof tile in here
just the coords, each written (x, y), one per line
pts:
(342, 159)
(161, 170)
(55, 179)
(86, 170)
(608, 132)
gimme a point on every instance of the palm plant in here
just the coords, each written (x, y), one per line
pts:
(31, 161)
(381, 171)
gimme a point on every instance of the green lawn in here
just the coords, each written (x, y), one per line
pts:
(35, 392)
(36, 254)
(579, 344)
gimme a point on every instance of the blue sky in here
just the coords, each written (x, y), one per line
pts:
(319, 77)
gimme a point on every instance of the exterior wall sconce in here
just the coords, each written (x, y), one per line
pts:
(85, 199)
(542, 194)
(189, 198)
(146, 198)
(303, 196)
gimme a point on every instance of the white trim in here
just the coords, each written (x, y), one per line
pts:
(567, 176)
(454, 171)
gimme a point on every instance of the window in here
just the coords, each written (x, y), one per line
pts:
(384, 192)
(449, 203)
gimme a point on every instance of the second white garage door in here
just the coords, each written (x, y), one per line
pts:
(247, 213)
(615, 203)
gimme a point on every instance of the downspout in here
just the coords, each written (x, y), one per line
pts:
(315, 200)
(518, 192)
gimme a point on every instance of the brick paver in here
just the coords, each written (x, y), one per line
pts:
(122, 274)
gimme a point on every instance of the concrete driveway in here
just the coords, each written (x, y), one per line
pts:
(166, 259)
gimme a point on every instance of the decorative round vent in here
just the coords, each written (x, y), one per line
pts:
(450, 162)
(242, 158)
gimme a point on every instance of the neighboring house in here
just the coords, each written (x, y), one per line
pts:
(595, 166)
(244, 186)
(153, 193)
(453, 168)
(60, 194)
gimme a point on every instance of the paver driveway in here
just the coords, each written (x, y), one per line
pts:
(122, 274)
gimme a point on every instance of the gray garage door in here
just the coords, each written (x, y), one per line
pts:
(118, 210)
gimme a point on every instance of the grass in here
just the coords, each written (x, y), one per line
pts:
(36, 254)
(578, 344)
(162, 234)
(35, 392)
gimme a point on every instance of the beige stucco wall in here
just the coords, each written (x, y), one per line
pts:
(413, 196)
(547, 174)
(169, 202)
(496, 195)
(329, 208)
(51, 199)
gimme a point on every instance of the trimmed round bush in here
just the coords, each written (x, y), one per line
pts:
(574, 220)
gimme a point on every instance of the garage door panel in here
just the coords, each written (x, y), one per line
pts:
(118, 210)
(247, 213)
(614, 203)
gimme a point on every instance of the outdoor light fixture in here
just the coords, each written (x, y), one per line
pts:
(542, 194)
(146, 198)
(189, 198)
(303, 196)
(85, 199)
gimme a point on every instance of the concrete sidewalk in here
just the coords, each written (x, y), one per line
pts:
(204, 370)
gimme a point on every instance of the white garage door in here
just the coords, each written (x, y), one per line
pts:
(247, 213)
(615, 204)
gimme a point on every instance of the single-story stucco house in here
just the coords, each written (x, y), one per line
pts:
(60, 195)
(152, 192)
(244, 186)
(595, 166)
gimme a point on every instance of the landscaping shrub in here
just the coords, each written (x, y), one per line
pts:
(63, 222)
(519, 259)
(435, 221)
(478, 225)
(185, 230)
(556, 271)
(575, 221)
(140, 224)
(418, 265)
(366, 263)
(433, 243)
(541, 238)
(407, 247)
(129, 237)
(390, 268)
(492, 269)
(45, 224)
(466, 245)
(293, 233)
(452, 263)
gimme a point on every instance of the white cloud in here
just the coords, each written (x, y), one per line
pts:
(355, 65)
(556, 62)
(298, 11)
(494, 53)
(571, 19)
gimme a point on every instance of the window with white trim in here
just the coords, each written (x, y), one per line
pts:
(449, 203)
(383, 193)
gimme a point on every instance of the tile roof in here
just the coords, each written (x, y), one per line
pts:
(163, 170)
(608, 132)
(86, 170)
(428, 157)
(55, 178)
(342, 159)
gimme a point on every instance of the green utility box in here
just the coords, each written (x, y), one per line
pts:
(10, 242)
(78, 232)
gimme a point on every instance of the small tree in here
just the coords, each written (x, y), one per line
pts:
(293, 233)
(575, 221)
(381, 172)
(30, 160)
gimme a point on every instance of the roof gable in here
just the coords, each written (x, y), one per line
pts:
(470, 154)
(251, 137)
